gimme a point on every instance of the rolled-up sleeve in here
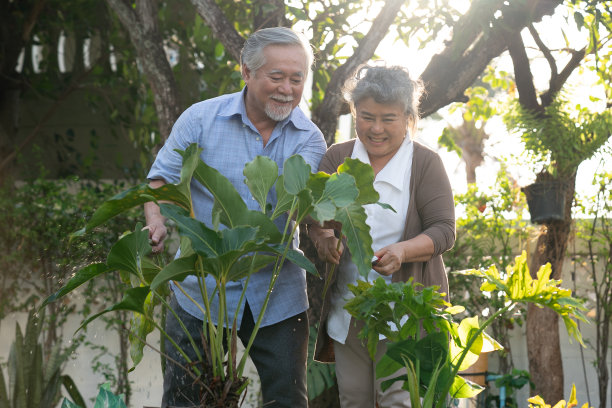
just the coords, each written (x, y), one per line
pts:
(168, 163)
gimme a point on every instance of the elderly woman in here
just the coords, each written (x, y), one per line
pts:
(408, 243)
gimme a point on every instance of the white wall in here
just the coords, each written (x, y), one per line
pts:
(146, 378)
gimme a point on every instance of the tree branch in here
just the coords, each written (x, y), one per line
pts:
(546, 52)
(222, 28)
(144, 34)
(577, 57)
(453, 70)
(528, 97)
(327, 113)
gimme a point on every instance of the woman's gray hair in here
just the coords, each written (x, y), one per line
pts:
(386, 85)
(252, 52)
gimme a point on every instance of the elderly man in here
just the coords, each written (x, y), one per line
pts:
(263, 119)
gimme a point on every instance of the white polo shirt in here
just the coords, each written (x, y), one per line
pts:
(386, 227)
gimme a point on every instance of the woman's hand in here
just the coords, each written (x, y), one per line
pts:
(391, 257)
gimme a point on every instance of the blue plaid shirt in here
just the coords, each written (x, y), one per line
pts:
(229, 140)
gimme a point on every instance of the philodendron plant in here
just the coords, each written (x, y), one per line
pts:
(430, 345)
(241, 242)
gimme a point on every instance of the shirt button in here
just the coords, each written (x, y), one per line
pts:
(257, 139)
(243, 125)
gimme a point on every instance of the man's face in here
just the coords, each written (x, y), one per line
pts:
(276, 88)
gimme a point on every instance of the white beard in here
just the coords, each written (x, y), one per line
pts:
(278, 113)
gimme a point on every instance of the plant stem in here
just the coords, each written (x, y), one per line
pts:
(279, 263)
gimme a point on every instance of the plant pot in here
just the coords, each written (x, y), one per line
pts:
(546, 201)
(477, 372)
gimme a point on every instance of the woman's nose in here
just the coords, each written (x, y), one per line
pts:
(377, 126)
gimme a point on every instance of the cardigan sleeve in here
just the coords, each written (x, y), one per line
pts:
(435, 204)
(335, 156)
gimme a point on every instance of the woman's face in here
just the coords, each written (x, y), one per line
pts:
(381, 128)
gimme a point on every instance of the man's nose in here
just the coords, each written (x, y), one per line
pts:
(285, 87)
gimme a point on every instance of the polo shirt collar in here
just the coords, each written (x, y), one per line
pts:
(394, 171)
(236, 106)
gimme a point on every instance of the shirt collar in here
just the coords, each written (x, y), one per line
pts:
(236, 106)
(394, 171)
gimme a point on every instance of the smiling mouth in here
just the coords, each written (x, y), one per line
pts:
(281, 99)
(377, 140)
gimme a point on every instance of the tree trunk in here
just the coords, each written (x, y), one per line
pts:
(544, 353)
(544, 349)
(142, 27)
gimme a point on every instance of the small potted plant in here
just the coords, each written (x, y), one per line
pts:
(557, 140)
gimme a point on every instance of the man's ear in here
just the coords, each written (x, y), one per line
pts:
(246, 72)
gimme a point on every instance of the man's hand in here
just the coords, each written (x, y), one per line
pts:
(156, 223)
(157, 233)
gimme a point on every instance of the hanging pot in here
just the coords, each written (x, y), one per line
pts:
(546, 201)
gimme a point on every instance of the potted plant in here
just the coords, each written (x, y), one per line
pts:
(248, 241)
(430, 345)
(557, 140)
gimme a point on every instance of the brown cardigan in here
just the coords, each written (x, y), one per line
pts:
(431, 211)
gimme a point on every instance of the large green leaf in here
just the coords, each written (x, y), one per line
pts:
(261, 174)
(133, 301)
(82, 276)
(228, 201)
(127, 253)
(72, 390)
(141, 325)
(204, 241)
(357, 232)
(133, 197)
(191, 157)
(249, 264)
(284, 200)
(463, 388)
(341, 189)
(178, 270)
(364, 177)
(316, 184)
(239, 239)
(296, 257)
(106, 399)
(296, 173)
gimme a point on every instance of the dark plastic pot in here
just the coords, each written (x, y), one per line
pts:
(546, 201)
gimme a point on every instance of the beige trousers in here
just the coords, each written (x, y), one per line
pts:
(356, 373)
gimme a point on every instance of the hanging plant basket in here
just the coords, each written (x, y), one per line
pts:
(546, 201)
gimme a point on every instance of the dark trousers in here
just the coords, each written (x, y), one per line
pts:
(279, 353)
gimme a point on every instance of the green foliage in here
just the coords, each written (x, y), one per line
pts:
(34, 379)
(248, 241)
(561, 138)
(489, 229)
(105, 399)
(38, 259)
(434, 348)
